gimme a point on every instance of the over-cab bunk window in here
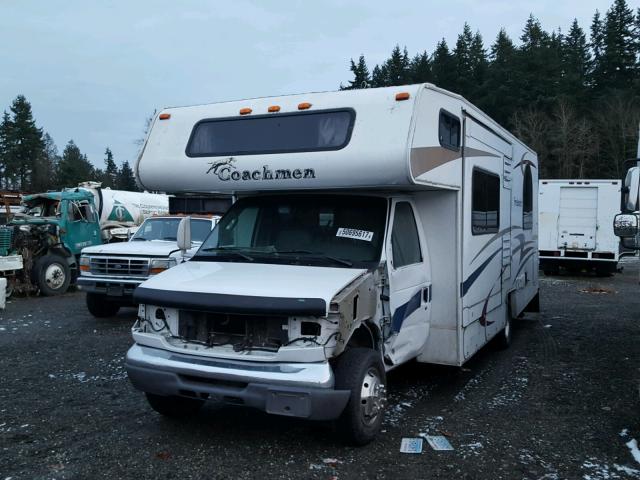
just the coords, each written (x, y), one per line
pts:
(527, 199)
(272, 133)
(449, 130)
(485, 202)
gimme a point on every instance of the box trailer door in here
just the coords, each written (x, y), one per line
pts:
(578, 218)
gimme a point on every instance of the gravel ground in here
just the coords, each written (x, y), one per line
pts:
(562, 402)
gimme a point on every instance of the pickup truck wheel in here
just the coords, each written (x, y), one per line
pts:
(100, 307)
(360, 370)
(52, 275)
(176, 407)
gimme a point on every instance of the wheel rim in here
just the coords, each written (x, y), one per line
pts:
(372, 396)
(54, 276)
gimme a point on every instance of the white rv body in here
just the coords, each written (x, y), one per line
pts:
(576, 224)
(431, 157)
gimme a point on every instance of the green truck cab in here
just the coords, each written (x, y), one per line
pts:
(50, 236)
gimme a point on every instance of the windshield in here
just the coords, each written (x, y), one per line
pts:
(167, 229)
(43, 207)
(328, 230)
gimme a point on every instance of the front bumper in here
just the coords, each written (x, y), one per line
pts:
(112, 287)
(302, 390)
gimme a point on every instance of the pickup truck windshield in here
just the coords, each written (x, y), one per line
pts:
(328, 230)
(167, 229)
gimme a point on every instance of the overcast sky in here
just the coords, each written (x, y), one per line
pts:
(94, 71)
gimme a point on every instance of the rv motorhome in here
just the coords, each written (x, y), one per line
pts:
(371, 227)
(576, 225)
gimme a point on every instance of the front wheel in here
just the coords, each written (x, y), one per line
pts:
(100, 307)
(360, 370)
(173, 406)
(52, 275)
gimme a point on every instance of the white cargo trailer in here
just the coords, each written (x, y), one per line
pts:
(371, 227)
(576, 225)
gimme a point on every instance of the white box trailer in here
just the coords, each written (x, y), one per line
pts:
(576, 225)
(371, 227)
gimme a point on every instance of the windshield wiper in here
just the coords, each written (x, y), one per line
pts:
(234, 250)
(141, 239)
(319, 254)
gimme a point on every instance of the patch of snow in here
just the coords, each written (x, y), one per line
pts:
(633, 447)
(628, 470)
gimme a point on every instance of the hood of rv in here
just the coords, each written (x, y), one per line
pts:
(153, 248)
(263, 285)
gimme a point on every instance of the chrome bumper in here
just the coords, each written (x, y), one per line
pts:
(292, 389)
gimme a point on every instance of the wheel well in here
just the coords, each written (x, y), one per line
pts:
(365, 336)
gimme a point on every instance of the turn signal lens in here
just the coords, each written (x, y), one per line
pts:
(304, 106)
(273, 109)
(402, 96)
(245, 111)
(164, 116)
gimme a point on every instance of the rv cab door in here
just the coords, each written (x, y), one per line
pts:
(409, 284)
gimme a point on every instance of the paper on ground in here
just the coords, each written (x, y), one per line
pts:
(438, 442)
(411, 445)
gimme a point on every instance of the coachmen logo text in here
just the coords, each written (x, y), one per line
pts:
(226, 170)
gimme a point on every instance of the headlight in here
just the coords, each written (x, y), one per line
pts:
(84, 263)
(159, 265)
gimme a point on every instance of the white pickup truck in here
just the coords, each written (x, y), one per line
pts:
(110, 273)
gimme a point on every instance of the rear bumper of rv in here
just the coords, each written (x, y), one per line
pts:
(303, 390)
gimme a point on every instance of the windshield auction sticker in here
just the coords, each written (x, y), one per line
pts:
(355, 234)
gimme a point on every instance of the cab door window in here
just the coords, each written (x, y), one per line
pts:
(405, 242)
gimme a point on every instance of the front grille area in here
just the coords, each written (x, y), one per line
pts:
(242, 332)
(119, 266)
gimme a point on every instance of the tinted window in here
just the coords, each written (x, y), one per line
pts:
(485, 206)
(527, 199)
(200, 229)
(449, 130)
(167, 229)
(405, 242)
(276, 133)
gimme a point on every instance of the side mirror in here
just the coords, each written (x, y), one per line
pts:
(184, 234)
(625, 225)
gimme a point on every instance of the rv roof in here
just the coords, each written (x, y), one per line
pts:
(323, 140)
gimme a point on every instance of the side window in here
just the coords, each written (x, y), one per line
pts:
(527, 199)
(405, 243)
(485, 203)
(242, 234)
(449, 130)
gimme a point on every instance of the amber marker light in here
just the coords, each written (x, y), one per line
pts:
(402, 96)
(273, 109)
(164, 116)
(304, 106)
(245, 111)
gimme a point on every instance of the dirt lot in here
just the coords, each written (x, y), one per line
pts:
(562, 402)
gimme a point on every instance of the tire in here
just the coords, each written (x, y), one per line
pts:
(100, 307)
(52, 275)
(360, 370)
(174, 407)
(503, 338)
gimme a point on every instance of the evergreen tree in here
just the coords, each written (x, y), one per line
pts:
(126, 180)
(5, 135)
(443, 66)
(420, 68)
(501, 86)
(110, 176)
(74, 167)
(479, 66)
(361, 77)
(462, 58)
(44, 171)
(597, 48)
(25, 144)
(576, 59)
(618, 62)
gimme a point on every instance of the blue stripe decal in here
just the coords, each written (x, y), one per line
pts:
(466, 285)
(406, 309)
